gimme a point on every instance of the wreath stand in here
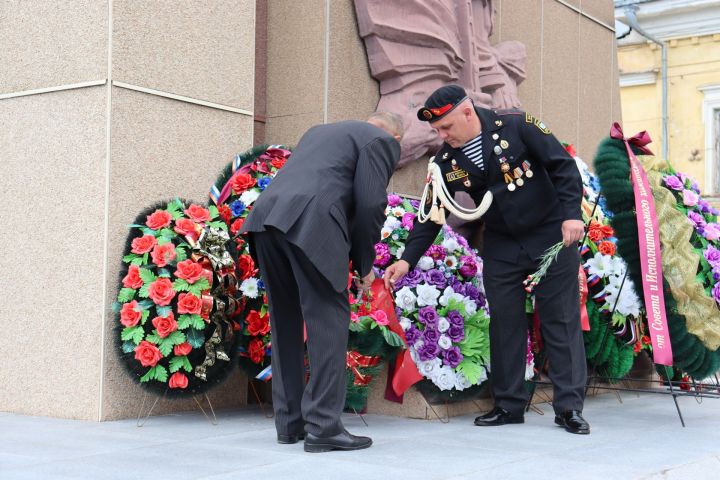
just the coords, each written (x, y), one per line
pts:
(142, 419)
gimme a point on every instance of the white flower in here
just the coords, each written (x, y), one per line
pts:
(249, 196)
(249, 287)
(405, 323)
(628, 302)
(426, 263)
(600, 265)
(426, 295)
(414, 355)
(429, 368)
(530, 371)
(444, 378)
(450, 294)
(405, 299)
(398, 211)
(444, 342)
(450, 244)
(443, 325)
(400, 251)
(392, 223)
(470, 306)
(385, 232)
(450, 261)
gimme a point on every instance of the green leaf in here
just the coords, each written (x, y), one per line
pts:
(391, 338)
(180, 254)
(130, 257)
(137, 261)
(217, 224)
(176, 363)
(186, 364)
(158, 372)
(618, 319)
(213, 211)
(475, 343)
(126, 294)
(471, 370)
(147, 275)
(164, 311)
(153, 337)
(145, 258)
(163, 272)
(181, 285)
(145, 316)
(163, 240)
(198, 287)
(147, 231)
(356, 327)
(146, 304)
(196, 321)
(144, 291)
(134, 334)
(196, 338)
(128, 347)
(116, 307)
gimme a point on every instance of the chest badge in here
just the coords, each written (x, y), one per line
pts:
(504, 144)
(456, 175)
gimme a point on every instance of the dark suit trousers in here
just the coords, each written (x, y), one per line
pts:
(558, 306)
(296, 292)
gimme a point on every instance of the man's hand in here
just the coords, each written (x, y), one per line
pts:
(395, 272)
(572, 231)
(365, 283)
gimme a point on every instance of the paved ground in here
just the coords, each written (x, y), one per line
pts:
(640, 438)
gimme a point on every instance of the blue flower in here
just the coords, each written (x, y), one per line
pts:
(263, 183)
(237, 208)
(261, 285)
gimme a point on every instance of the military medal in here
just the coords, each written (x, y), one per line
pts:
(518, 177)
(504, 144)
(526, 168)
(505, 169)
(497, 150)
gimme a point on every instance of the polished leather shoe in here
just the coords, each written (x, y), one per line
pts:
(573, 422)
(290, 439)
(342, 441)
(498, 416)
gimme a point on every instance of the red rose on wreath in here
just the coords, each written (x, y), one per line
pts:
(256, 324)
(161, 291)
(225, 213)
(132, 279)
(246, 266)
(178, 380)
(198, 213)
(185, 226)
(242, 182)
(129, 316)
(278, 162)
(256, 350)
(606, 248)
(189, 303)
(143, 244)
(158, 219)
(595, 232)
(163, 254)
(646, 340)
(165, 326)
(182, 349)
(189, 271)
(608, 231)
(147, 354)
(236, 226)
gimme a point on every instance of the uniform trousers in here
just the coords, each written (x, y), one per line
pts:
(297, 294)
(558, 306)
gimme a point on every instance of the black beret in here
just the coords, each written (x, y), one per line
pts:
(441, 102)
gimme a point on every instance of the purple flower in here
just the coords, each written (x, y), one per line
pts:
(712, 255)
(469, 267)
(457, 285)
(436, 278)
(412, 335)
(428, 316)
(690, 198)
(452, 357)
(437, 252)
(704, 206)
(695, 187)
(716, 292)
(382, 254)
(428, 351)
(716, 276)
(456, 333)
(407, 220)
(431, 335)
(674, 182)
(394, 200)
(472, 291)
(697, 219)
(711, 231)
(411, 279)
(455, 318)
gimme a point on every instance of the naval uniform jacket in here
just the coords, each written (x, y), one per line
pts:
(527, 218)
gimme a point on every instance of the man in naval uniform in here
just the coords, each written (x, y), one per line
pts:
(322, 210)
(537, 192)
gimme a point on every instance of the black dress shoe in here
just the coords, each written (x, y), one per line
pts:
(342, 441)
(573, 422)
(498, 416)
(290, 439)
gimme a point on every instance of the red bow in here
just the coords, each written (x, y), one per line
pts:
(639, 140)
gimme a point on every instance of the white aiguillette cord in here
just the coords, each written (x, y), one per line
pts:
(440, 192)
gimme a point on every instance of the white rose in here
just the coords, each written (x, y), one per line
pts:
(462, 382)
(450, 244)
(444, 342)
(392, 223)
(249, 196)
(426, 295)
(249, 287)
(426, 263)
(429, 368)
(443, 325)
(444, 378)
(449, 294)
(405, 323)
(470, 306)
(405, 299)
(400, 251)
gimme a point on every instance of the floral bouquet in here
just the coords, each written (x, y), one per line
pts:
(176, 308)
(234, 192)
(441, 305)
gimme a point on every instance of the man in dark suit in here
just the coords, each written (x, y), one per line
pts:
(324, 209)
(537, 193)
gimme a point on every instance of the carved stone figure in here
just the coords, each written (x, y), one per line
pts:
(416, 46)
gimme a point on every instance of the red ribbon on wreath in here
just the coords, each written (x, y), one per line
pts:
(355, 360)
